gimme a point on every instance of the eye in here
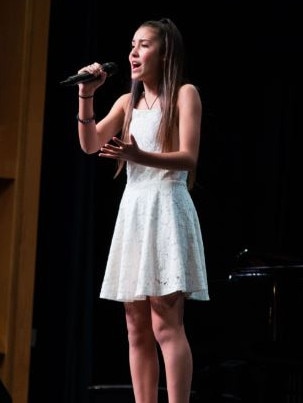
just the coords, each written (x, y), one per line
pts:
(145, 44)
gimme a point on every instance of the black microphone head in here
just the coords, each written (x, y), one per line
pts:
(110, 68)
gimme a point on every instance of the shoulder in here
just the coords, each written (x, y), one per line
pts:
(189, 96)
(188, 90)
(117, 113)
(123, 101)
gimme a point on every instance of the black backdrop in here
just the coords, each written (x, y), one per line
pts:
(246, 59)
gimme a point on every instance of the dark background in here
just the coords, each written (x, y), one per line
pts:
(245, 57)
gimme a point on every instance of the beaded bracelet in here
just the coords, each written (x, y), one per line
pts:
(86, 96)
(86, 121)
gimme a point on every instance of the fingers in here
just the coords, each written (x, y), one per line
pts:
(117, 151)
(110, 151)
(133, 140)
(118, 141)
(95, 69)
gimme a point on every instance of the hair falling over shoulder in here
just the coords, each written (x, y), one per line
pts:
(170, 81)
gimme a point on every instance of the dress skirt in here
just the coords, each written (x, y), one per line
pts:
(157, 246)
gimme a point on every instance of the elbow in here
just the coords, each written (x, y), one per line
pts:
(190, 164)
(187, 160)
(87, 148)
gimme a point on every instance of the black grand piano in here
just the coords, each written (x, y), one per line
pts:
(256, 347)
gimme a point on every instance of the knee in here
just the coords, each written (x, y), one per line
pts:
(162, 331)
(140, 336)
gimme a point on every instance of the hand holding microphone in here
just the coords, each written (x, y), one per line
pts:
(93, 72)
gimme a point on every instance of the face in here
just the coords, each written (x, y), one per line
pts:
(144, 58)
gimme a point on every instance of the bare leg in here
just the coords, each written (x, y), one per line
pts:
(143, 356)
(167, 319)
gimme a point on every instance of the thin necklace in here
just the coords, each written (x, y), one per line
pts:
(150, 107)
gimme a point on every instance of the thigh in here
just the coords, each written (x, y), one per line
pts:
(138, 314)
(167, 311)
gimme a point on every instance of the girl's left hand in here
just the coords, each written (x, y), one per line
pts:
(122, 150)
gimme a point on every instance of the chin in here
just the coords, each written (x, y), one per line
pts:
(137, 77)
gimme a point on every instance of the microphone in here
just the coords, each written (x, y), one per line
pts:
(110, 68)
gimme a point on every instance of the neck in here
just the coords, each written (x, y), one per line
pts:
(150, 105)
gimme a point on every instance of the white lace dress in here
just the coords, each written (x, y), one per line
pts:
(157, 245)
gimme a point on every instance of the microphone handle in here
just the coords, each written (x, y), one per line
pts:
(78, 78)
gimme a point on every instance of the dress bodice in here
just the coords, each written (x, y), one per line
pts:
(144, 127)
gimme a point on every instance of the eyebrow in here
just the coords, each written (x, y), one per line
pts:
(142, 40)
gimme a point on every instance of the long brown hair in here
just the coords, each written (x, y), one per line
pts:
(172, 51)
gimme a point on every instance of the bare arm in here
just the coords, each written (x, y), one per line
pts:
(186, 156)
(92, 135)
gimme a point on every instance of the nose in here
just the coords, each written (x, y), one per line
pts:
(134, 51)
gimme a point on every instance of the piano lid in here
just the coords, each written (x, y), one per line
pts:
(250, 264)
